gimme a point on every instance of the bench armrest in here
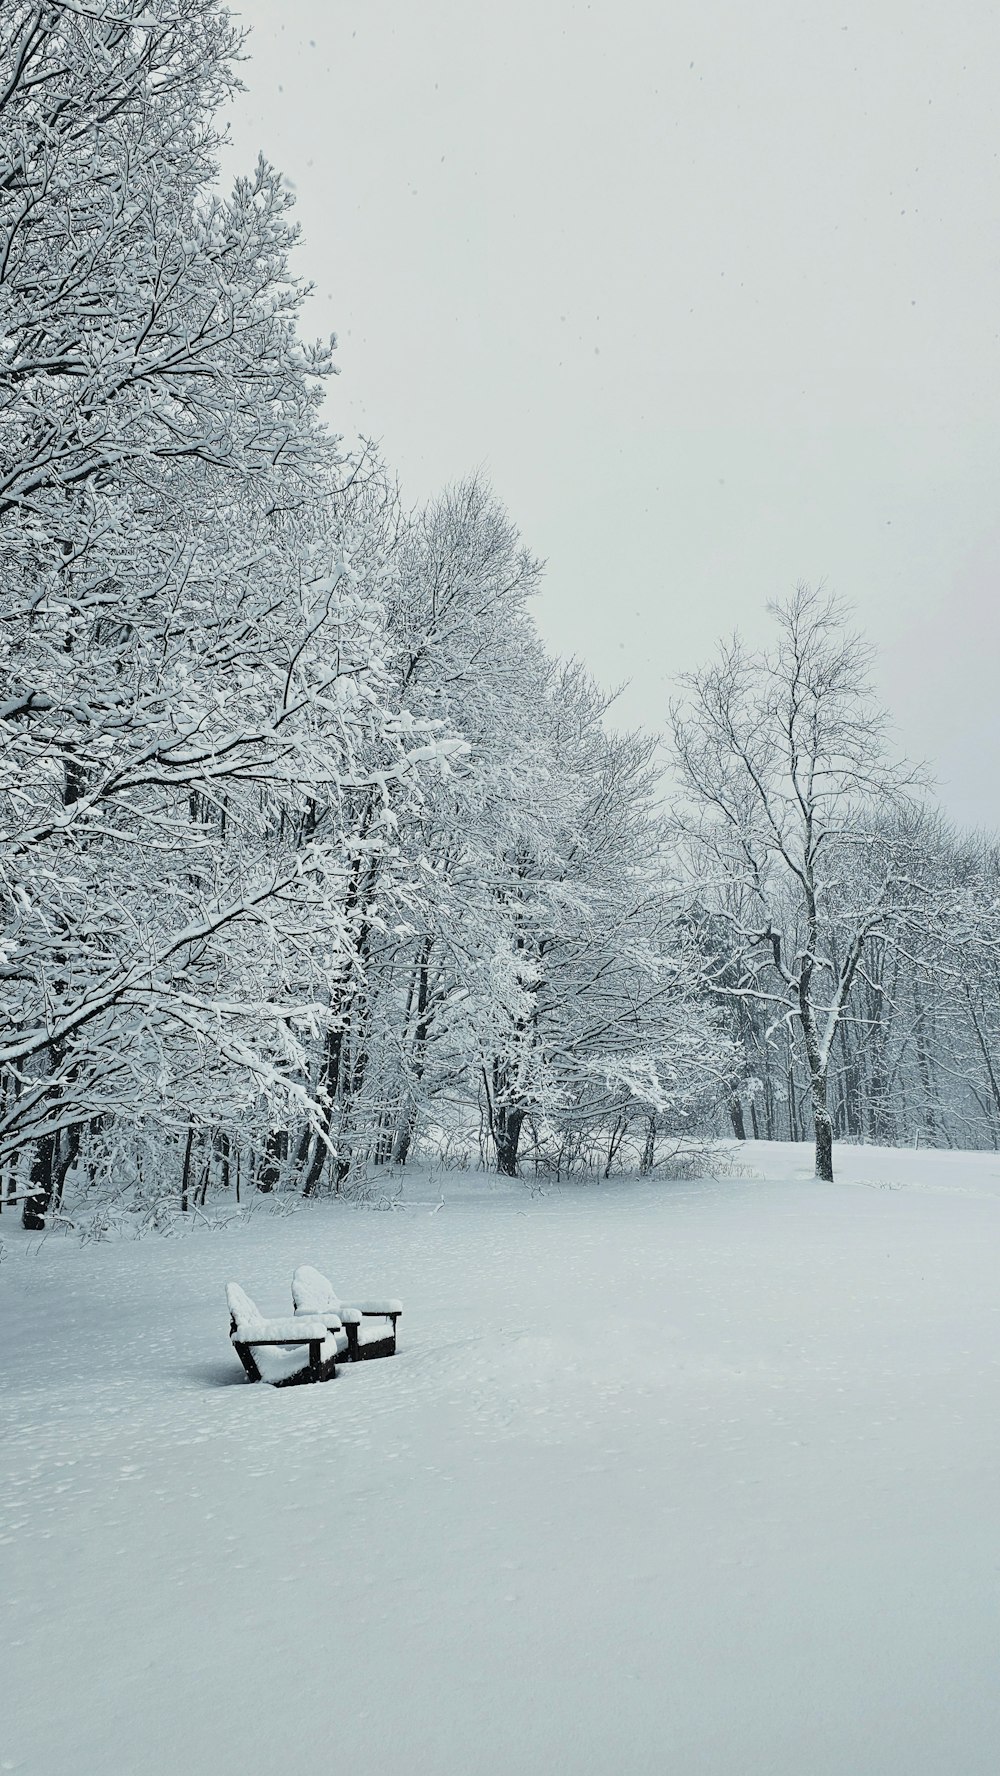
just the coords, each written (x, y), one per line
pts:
(296, 1329)
(329, 1316)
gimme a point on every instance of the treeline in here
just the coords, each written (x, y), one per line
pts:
(311, 855)
(916, 1057)
(850, 938)
(306, 842)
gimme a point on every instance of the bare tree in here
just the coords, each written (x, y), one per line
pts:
(785, 791)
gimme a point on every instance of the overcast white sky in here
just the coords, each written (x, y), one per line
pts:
(711, 291)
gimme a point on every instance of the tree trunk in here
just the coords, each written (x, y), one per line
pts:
(417, 999)
(72, 1141)
(793, 1133)
(817, 1057)
(403, 1136)
(924, 1062)
(10, 1091)
(823, 1124)
(41, 1181)
(186, 1171)
(618, 1134)
(316, 1167)
(330, 1076)
(851, 1105)
(269, 1171)
(507, 1125)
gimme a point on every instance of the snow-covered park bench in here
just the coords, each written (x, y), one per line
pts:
(313, 1297)
(285, 1351)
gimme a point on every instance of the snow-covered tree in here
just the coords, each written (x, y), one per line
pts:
(189, 668)
(786, 794)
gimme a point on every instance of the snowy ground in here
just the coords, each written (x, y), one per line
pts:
(693, 1479)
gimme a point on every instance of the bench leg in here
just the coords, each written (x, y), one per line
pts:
(245, 1355)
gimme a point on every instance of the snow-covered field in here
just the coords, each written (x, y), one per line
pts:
(672, 1478)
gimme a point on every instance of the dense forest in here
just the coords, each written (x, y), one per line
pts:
(313, 858)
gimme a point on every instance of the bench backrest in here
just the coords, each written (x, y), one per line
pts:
(247, 1317)
(312, 1292)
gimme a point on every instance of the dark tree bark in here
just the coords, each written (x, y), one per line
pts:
(69, 1153)
(41, 1183)
(418, 1000)
(269, 1173)
(186, 1172)
(507, 1125)
(824, 1135)
(736, 1118)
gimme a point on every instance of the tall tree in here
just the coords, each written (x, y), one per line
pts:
(189, 666)
(785, 789)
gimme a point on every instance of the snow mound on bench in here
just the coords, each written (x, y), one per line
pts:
(312, 1292)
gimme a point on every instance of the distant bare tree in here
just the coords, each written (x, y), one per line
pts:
(784, 827)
